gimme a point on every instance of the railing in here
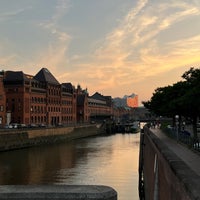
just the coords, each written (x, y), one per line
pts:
(184, 137)
(159, 167)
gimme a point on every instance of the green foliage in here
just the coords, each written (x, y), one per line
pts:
(182, 98)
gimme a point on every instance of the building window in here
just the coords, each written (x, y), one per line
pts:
(1, 108)
(35, 119)
(19, 120)
(13, 107)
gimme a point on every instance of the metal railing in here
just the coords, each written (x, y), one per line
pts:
(184, 137)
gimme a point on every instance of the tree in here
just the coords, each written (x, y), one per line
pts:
(192, 96)
(182, 98)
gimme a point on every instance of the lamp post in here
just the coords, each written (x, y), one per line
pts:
(177, 123)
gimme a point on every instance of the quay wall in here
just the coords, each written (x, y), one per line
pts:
(21, 138)
(162, 174)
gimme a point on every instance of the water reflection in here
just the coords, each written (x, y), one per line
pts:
(111, 160)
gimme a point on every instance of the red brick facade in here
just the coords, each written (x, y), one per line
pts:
(98, 108)
(32, 101)
(2, 103)
(42, 100)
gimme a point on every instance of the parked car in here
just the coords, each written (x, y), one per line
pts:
(42, 125)
(32, 126)
(14, 125)
(8, 126)
(22, 126)
(59, 124)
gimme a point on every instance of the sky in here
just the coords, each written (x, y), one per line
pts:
(114, 47)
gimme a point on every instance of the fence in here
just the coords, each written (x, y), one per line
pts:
(184, 137)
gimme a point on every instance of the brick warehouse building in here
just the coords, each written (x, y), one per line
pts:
(38, 99)
(41, 99)
(2, 102)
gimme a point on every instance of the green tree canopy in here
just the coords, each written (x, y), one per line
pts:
(182, 98)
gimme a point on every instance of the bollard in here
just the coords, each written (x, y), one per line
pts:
(57, 192)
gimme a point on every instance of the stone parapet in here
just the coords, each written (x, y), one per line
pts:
(163, 174)
(57, 192)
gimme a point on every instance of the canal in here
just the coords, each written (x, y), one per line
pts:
(106, 160)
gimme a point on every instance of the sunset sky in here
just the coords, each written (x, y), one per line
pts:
(115, 47)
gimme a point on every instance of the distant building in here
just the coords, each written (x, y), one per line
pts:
(127, 101)
(100, 106)
(132, 101)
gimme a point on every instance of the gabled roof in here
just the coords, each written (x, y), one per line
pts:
(44, 75)
(69, 86)
(13, 76)
(98, 96)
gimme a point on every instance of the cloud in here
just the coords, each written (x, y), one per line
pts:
(55, 55)
(61, 9)
(139, 30)
(133, 47)
(52, 25)
(132, 53)
(12, 14)
(146, 44)
(5, 60)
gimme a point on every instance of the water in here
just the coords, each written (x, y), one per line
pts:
(108, 160)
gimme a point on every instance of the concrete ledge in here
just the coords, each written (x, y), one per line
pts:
(187, 177)
(64, 192)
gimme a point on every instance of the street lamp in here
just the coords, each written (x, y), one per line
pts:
(177, 123)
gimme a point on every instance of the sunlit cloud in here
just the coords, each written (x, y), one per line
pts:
(132, 53)
(4, 61)
(144, 45)
(141, 26)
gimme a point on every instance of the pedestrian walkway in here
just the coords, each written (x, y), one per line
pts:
(191, 158)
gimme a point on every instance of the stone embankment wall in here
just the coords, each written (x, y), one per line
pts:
(21, 138)
(162, 174)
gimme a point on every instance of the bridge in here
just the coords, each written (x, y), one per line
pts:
(167, 169)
